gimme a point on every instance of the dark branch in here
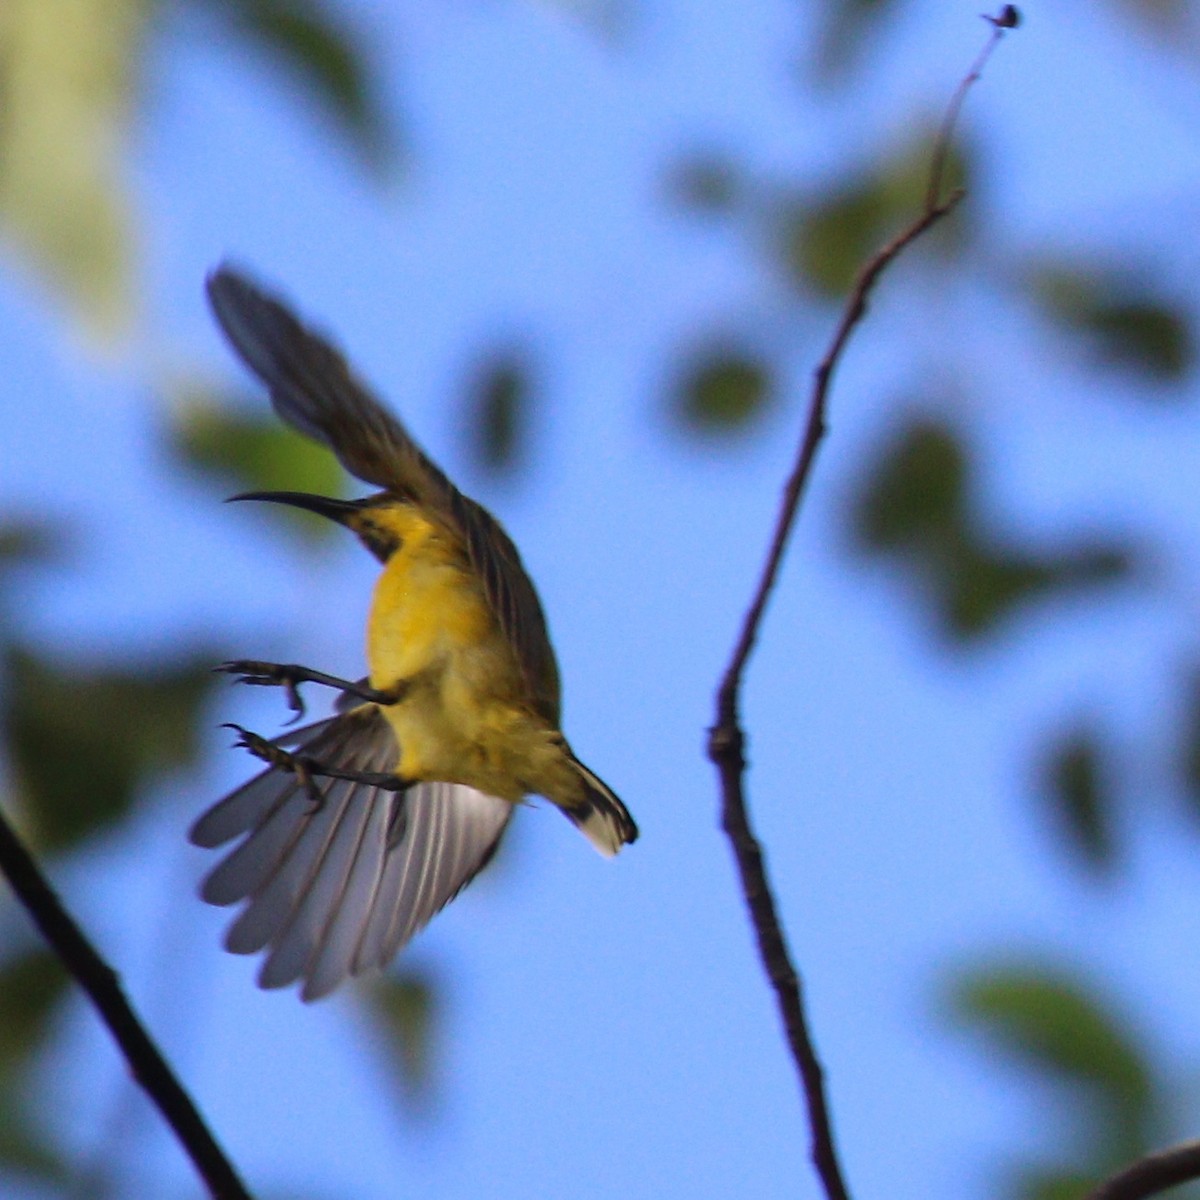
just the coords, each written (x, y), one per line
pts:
(726, 738)
(1157, 1172)
(99, 981)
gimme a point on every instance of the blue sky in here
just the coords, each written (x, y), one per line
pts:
(608, 1032)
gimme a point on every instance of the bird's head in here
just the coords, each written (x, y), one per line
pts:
(372, 518)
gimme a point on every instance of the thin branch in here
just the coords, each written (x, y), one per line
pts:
(1009, 18)
(1157, 1172)
(726, 745)
(100, 982)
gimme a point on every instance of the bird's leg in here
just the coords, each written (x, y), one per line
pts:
(306, 769)
(283, 760)
(290, 675)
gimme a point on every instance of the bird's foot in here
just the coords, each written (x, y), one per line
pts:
(304, 769)
(289, 676)
(266, 674)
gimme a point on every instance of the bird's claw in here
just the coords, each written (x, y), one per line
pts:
(282, 760)
(266, 674)
(261, 748)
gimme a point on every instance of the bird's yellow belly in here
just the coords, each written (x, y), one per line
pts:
(462, 716)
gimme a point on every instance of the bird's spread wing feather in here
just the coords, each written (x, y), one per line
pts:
(314, 390)
(339, 887)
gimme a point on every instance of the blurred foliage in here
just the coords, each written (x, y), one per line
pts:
(67, 75)
(499, 417)
(918, 506)
(847, 26)
(82, 739)
(1048, 1021)
(704, 182)
(312, 40)
(24, 1148)
(980, 584)
(826, 241)
(918, 490)
(1188, 762)
(1166, 18)
(255, 454)
(70, 87)
(32, 985)
(1054, 1023)
(1126, 325)
(1077, 791)
(722, 391)
(27, 542)
(23, 542)
(406, 1007)
(1049, 1183)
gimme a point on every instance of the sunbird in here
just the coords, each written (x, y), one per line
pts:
(366, 824)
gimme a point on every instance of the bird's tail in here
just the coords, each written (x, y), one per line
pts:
(599, 813)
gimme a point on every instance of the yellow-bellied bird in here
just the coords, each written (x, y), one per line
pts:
(364, 825)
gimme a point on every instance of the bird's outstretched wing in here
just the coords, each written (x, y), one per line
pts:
(337, 888)
(314, 390)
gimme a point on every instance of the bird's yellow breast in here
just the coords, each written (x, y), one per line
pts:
(463, 715)
(426, 605)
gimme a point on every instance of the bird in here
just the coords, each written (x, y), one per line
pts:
(366, 824)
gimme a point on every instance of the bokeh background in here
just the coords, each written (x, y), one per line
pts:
(590, 250)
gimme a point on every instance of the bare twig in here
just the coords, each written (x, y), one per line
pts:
(1157, 1172)
(100, 982)
(726, 745)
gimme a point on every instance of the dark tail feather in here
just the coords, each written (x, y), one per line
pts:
(604, 820)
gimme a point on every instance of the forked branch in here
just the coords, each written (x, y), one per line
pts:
(726, 738)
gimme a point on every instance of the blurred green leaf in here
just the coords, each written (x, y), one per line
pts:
(1147, 335)
(321, 50)
(23, 1147)
(980, 587)
(917, 505)
(826, 242)
(405, 1008)
(1164, 18)
(1055, 1023)
(83, 740)
(251, 454)
(31, 985)
(704, 183)
(67, 75)
(499, 420)
(1189, 751)
(848, 26)
(25, 542)
(609, 20)
(916, 492)
(1189, 743)
(722, 390)
(1043, 1183)
(1077, 789)
(1127, 326)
